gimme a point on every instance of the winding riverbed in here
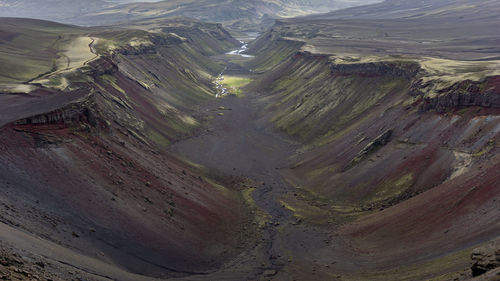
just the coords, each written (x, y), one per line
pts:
(243, 143)
(219, 81)
(241, 51)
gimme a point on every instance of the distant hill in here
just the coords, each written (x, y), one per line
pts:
(455, 29)
(58, 10)
(238, 15)
(409, 9)
(131, 1)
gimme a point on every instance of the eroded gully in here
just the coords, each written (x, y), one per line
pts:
(241, 142)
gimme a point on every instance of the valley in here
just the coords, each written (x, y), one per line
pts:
(241, 141)
(360, 144)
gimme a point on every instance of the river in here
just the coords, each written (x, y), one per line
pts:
(219, 81)
(241, 51)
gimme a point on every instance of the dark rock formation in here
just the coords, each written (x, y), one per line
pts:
(397, 69)
(140, 50)
(79, 111)
(103, 65)
(462, 94)
(486, 258)
(376, 144)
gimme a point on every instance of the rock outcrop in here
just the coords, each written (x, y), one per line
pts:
(373, 146)
(406, 70)
(102, 65)
(78, 111)
(486, 258)
(461, 94)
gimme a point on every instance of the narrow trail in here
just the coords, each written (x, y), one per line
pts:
(243, 143)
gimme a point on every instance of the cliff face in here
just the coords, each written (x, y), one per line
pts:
(462, 94)
(79, 111)
(91, 172)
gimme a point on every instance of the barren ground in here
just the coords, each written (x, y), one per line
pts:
(240, 142)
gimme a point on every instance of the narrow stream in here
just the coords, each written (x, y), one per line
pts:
(241, 51)
(219, 82)
(221, 90)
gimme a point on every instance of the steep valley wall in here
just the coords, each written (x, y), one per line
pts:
(93, 176)
(414, 174)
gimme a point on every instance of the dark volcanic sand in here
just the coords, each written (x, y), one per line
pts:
(242, 143)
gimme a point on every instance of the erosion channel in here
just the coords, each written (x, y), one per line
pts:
(240, 142)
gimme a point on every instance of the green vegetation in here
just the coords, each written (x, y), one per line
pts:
(316, 106)
(271, 53)
(235, 83)
(111, 80)
(111, 40)
(261, 217)
(22, 60)
(392, 189)
(173, 76)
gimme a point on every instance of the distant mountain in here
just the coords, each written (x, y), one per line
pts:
(132, 1)
(58, 10)
(239, 15)
(410, 9)
(454, 29)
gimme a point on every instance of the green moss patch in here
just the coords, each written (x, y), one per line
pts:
(236, 83)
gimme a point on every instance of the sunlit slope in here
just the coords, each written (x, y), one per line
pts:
(21, 59)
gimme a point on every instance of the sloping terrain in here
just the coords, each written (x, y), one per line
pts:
(404, 138)
(357, 145)
(23, 60)
(460, 30)
(84, 172)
